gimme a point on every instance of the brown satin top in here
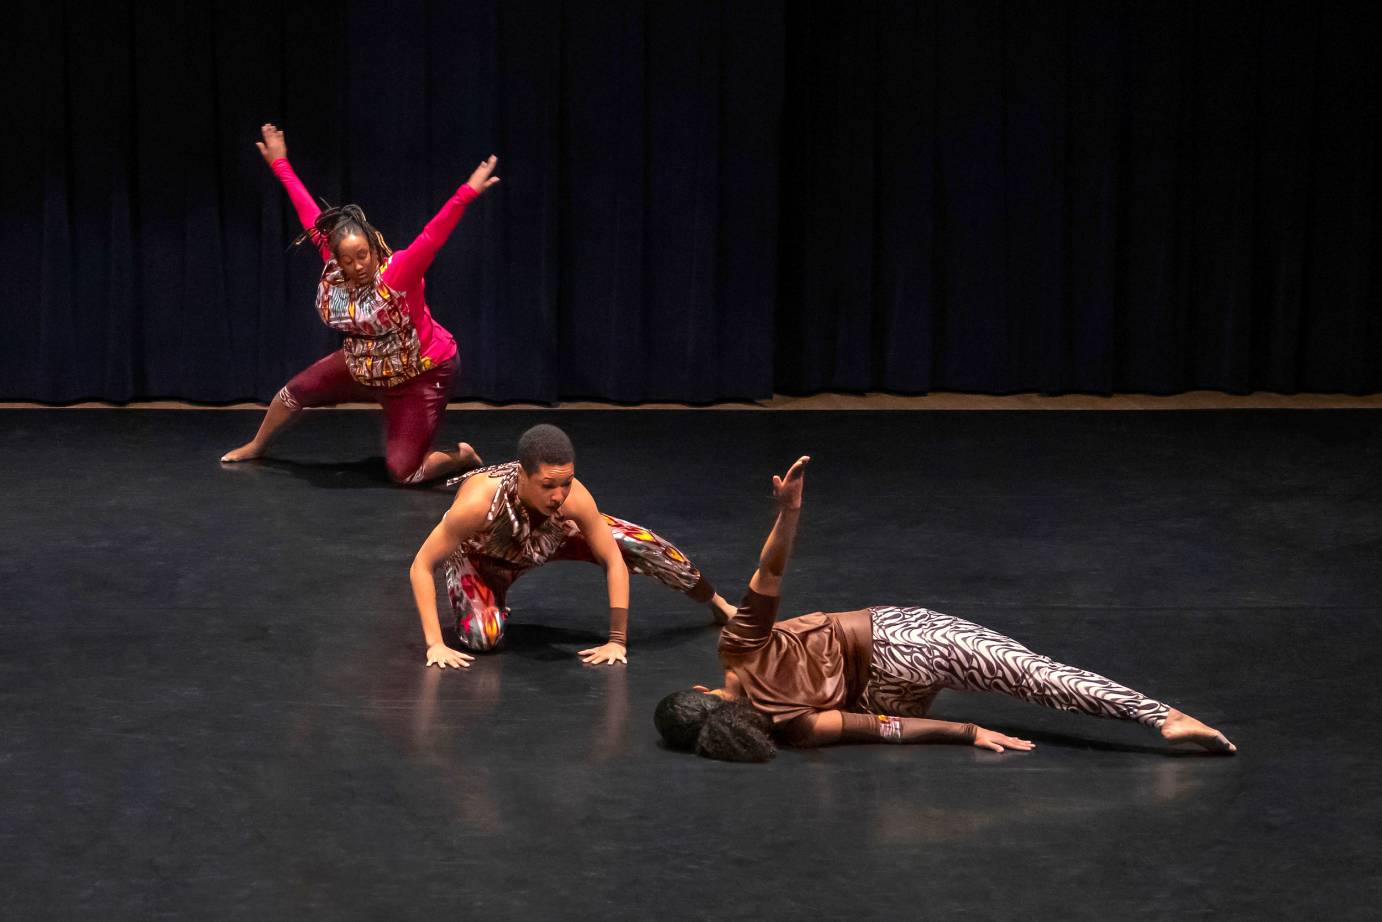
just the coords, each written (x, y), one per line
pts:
(816, 662)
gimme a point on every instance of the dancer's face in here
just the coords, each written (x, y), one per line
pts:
(547, 488)
(356, 259)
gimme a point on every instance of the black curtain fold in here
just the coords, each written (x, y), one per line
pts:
(710, 200)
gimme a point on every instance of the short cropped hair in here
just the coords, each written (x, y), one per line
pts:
(544, 444)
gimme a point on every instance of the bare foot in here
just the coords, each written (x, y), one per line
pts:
(444, 463)
(1182, 728)
(467, 457)
(721, 610)
(246, 452)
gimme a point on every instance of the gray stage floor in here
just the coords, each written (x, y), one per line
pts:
(213, 705)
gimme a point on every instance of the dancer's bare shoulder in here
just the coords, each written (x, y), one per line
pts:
(473, 500)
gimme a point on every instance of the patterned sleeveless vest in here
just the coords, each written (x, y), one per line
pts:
(381, 344)
(509, 534)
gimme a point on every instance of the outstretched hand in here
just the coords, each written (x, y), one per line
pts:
(273, 147)
(991, 739)
(484, 177)
(787, 490)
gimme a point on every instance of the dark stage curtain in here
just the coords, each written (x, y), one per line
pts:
(708, 200)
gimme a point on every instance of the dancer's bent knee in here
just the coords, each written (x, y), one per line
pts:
(405, 467)
(480, 618)
(481, 630)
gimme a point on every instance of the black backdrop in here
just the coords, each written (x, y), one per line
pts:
(708, 200)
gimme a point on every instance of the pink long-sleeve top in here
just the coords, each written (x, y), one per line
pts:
(404, 270)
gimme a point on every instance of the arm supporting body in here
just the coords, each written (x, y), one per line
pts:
(580, 507)
(465, 518)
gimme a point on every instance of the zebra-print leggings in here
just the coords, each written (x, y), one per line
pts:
(918, 652)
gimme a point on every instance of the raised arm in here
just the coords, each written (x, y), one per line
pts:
(465, 517)
(274, 150)
(826, 728)
(580, 507)
(408, 265)
(777, 550)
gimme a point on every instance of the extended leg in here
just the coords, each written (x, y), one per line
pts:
(283, 409)
(651, 555)
(322, 383)
(950, 652)
(931, 651)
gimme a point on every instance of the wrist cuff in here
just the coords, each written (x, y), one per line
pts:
(868, 728)
(619, 626)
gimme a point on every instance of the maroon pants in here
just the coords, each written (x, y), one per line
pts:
(412, 410)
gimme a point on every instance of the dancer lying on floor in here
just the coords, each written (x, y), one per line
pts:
(394, 353)
(509, 518)
(871, 675)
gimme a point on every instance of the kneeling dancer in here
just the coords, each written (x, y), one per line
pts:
(509, 518)
(393, 352)
(871, 675)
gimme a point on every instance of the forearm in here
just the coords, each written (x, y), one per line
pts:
(409, 264)
(425, 595)
(303, 203)
(617, 582)
(826, 728)
(868, 728)
(777, 550)
(302, 200)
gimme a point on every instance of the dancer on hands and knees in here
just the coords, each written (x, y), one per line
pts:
(510, 518)
(870, 675)
(394, 353)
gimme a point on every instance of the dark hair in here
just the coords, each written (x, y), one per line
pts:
(544, 444)
(736, 733)
(731, 731)
(339, 222)
(680, 716)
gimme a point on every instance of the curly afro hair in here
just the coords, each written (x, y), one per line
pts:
(730, 731)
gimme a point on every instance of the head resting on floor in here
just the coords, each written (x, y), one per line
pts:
(716, 728)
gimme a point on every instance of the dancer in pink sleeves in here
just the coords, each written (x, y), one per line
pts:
(393, 353)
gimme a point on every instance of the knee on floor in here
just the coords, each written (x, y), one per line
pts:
(481, 631)
(403, 468)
